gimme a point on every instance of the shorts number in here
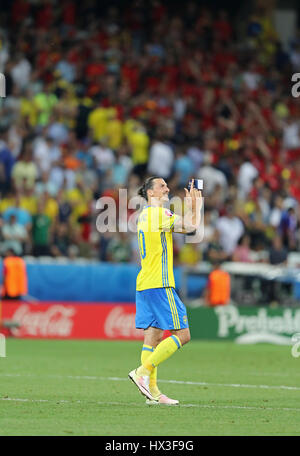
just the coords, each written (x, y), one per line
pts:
(142, 244)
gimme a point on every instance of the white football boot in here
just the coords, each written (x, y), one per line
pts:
(142, 382)
(162, 400)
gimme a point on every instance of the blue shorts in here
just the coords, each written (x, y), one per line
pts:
(160, 308)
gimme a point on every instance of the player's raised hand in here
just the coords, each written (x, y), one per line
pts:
(188, 192)
(194, 197)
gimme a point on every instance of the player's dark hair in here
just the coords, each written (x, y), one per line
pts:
(147, 185)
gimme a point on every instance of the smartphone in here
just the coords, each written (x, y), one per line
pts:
(198, 184)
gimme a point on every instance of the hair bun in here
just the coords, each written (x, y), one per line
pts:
(142, 191)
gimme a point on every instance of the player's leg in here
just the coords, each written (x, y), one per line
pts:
(152, 337)
(145, 319)
(163, 352)
(170, 314)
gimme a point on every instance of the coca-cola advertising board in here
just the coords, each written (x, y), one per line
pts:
(61, 320)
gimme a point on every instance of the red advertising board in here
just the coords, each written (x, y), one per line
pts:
(65, 320)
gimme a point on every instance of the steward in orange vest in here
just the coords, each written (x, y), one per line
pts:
(218, 288)
(14, 276)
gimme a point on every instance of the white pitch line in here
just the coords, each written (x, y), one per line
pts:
(177, 382)
(184, 382)
(233, 385)
(270, 374)
(136, 404)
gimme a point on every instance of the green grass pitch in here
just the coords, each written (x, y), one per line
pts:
(51, 387)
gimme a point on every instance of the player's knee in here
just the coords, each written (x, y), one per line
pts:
(160, 340)
(184, 337)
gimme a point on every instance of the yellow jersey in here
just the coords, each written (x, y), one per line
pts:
(154, 229)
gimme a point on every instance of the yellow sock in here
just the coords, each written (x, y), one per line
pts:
(162, 352)
(147, 350)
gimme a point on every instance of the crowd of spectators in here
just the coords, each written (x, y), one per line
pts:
(97, 98)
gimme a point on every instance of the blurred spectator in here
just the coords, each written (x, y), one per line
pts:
(264, 202)
(61, 240)
(66, 69)
(103, 155)
(57, 131)
(64, 207)
(138, 140)
(25, 172)
(211, 176)
(276, 211)
(196, 155)
(188, 255)
(251, 77)
(295, 57)
(14, 276)
(44, 102)
(287, 228)
(214, 251)
(46, 154)
(14, 235)
(161, 158)
(20, 71)
(45, 185)
(217, 292)
(231, 229)
(242, 252)
(104, 241)
(254, 222)
(119, 249)
(223, 27)
(22, 216)
(184, 167)
(41, 231)
(278, 253)
(247, 173)
(61, 177)
(50, 206)
(291, 136)
(6, 162)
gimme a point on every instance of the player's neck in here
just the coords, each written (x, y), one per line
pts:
(155, 202)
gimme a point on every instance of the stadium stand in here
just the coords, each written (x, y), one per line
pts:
(98, 96)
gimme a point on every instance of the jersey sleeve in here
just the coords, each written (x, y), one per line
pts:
(167, 219)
